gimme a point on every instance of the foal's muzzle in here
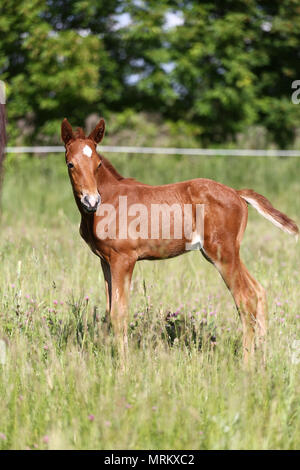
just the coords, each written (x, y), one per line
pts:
(90, 202)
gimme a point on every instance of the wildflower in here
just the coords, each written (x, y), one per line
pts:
(2, 436)
(128, 405)
(154, 408)
(91, 417)
(107, 423)
(46, 439)
(87, 298)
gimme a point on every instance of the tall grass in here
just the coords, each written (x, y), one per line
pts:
(185, 387)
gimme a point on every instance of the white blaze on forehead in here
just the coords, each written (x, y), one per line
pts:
(87, 151)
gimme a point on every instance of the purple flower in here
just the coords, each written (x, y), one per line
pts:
(2, 436)
(91, 417)
(46, 439)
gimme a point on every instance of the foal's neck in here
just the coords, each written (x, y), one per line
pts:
(106, 176)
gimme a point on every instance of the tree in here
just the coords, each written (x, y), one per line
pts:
(55, 64)
(219, 66)
(231, 64)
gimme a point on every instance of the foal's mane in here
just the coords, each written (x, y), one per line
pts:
(79, 134)
(112, 169)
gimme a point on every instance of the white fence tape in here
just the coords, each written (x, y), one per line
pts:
(167, 151)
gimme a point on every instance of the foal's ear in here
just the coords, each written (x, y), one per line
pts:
(97, 134)
(66, 132)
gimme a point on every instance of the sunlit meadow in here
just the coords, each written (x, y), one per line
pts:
(185, 386)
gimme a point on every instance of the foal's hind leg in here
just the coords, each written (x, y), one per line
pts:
(248, 294)
(261, 309)
(250, 300)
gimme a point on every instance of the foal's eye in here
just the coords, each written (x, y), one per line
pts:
(99, 165)
(70, 165)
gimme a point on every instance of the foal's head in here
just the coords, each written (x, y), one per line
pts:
(83, 162)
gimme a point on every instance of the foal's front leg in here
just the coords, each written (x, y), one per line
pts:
(107, 280)
(121, 268)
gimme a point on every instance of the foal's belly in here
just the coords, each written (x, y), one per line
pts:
(160, 249)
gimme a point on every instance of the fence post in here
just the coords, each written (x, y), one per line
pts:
(2, 133)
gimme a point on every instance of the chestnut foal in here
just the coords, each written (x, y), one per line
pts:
(97, 185)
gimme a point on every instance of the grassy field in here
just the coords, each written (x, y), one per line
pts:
(185, 387)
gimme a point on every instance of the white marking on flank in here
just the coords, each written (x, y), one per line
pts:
(196, 243)
(87, 151)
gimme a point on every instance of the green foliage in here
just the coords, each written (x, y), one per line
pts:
(54, 66)
(222, 67)
(235, 62)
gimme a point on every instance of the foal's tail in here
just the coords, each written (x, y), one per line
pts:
(265, 208)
